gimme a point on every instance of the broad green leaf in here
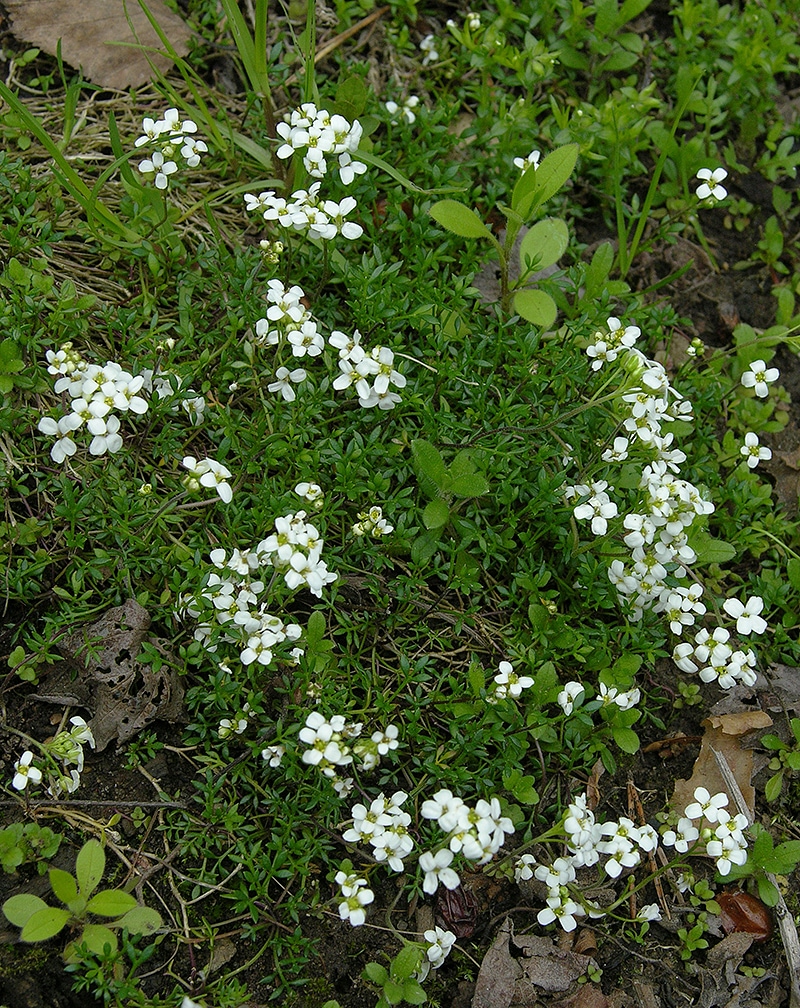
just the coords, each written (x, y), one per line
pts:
(424, 546)
(632, 9)
(351, 97)
(626, 739)
(111, 903)
(141, 920)
(44, 924)
(783, 860)
(620, 61)
(393, 991)
(436, 514)
(89, 866)
(548, 178)
(536, 306)
(477, 678)
(96, 937)
(315, 628)
(429, 462)
(767, 891)
(793, 572)
(459, 218)
(462, 465)
(544, 244)
(762, 845)
(772, 789)
(19, 909)
(471, 485)
(606, 18)
(376, 973)
(626, 665)
(413, 992)
(63, 885)
(406, 961)
(711, 550)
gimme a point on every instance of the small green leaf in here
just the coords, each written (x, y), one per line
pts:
(773, 787)
(141, 920)
(598, 269)
(547, 179)
(19, 909)
(783, 860)
(393, 991)
(315, 628)
(96, 937)
(536, 306)
(424, 546)
(477, 679)
(351, 97)
(413, 992)
(111, 903)
(406, 962)
(473, 485)
(428, 462)
(544, 244)
(711, 550)
(626, 739)
(436, 514)
(767, 891)
(459, 219)
(44, 924)
(89, 866)
(63, 885)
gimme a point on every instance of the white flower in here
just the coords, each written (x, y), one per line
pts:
(25, 772)
(403, 111)
(568, 696)
(753, 451)
(651, 912)
(437, 869)
(210, 473)
(682, 837)
(439, 944)
(428, 46)
(445, 808)
(81, 732)
(758, 378)
(523, 868)
(352, 909)
(162, 169)
(747, 616)
(273, 754)
(706, 806)
(283, 384)
(532, 159)
(710, 185)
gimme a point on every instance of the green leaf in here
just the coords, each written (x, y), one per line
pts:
(793, 572)
(406, 961)
(424, 546)
(547, 179)
(351, 97)
(459, 219)
(761, 850)
(436, 514)
(606, 18)
(711, 550)
(632, 9)
(773, 786)
(767, 891)
(19, 909)
(626, 739)
(96, 937)
(393, 991)
(44, 924)
(783, 860)
(536, 306)
(476, 678)
(63, 885)
(111, 903)
(89, 866)
(428, 462)
(463, 464)
(315, 628)
(413, 992)
(544, 244)
(473, 485)
(141, 920)
(598, 269)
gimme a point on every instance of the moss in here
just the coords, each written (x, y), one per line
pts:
(14, 961)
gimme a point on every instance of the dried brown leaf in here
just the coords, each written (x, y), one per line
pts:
(105, 38)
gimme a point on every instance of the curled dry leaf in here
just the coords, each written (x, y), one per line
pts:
(739, 911)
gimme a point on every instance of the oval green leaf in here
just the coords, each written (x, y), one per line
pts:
(141, 920)
(44, 924)
(96, 937)
(544, 244)
(111, 903)
(19, 909)
(63, 885)
(436, 514)
(536, 306)
(459, 219)
(89, 866)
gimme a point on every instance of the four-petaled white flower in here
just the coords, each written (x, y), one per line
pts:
(710, 184)
(759, 377)
(753, 451)
(209, 473)
(437, 869)
(706, 806)
(26, 772)
(747, 616)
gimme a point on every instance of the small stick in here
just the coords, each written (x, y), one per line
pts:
(786, 925)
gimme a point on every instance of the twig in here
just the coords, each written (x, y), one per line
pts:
(786, 925)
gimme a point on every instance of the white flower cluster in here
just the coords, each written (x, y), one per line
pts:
(508, 684)
(372, 523)
(208, 472)
(384, 826)
(478, 833)
(236, 725)
(321, 135)
(656, 532)
(288, 321)
(439, 943)
(403, 111)
(96, 395)
(726, 842)
(356, 897)
(67, 749)
(331, 745)
(607, 695)
(712, 656)
(306, 213)
(166, 385)
(233, 598)
(370, 372)
(169, 137)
